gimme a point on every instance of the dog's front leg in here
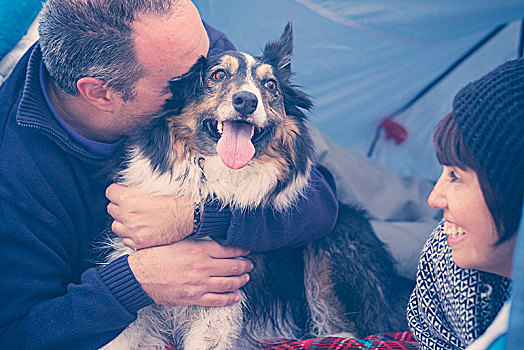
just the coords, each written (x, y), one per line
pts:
(215, 328)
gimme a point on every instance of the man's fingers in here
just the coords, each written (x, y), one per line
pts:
(217, 251)
(230, 267)
(227, 284)
(118, 228)
(128, 242)
(114, 192)
(215, 299)
(115, 211)
(131, 196)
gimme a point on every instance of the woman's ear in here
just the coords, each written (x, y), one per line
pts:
(97, 93)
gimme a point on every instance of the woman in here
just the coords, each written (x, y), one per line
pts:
(464, 273)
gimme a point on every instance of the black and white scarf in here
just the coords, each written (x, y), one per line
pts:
(450, 307)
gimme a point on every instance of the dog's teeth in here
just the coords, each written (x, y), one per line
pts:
(252, 132)
(219, 127)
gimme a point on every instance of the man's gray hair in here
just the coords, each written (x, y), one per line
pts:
(93, 38)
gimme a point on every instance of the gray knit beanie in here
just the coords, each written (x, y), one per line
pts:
(489, 113)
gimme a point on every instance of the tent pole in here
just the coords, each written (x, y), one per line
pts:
(435, 81)
(521, 45)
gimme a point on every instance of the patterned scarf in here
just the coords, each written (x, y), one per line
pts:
(450, 307)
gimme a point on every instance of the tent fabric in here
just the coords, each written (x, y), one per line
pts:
(516, 320)
(396, 204)
(15, 18)
(361, 60)
(10, 59)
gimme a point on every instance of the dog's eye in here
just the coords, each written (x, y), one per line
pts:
(271, 85)
(219, 74)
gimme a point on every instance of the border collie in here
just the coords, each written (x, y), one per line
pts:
(235, 131)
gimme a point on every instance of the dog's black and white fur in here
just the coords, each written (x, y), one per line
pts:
(346, 279)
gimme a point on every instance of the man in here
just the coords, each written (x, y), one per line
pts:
(99, 70)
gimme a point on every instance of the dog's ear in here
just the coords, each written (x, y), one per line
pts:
(279, 53)
(155, 138)
(186, 86)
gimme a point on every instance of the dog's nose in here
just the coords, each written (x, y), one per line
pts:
(245, 102)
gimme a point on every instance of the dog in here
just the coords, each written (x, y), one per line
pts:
(234, 130)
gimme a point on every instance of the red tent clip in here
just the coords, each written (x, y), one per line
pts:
(394, 130)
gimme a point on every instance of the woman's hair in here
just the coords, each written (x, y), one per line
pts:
(451, 150)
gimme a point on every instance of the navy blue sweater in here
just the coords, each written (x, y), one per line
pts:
(53, 208)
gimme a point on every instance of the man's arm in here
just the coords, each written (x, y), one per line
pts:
(145, 220)
(49, 303)
(312, 216)
(41, 308)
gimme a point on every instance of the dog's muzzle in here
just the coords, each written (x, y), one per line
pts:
(237, 136)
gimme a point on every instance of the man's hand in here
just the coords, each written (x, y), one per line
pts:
(144, 220)
(191, 273)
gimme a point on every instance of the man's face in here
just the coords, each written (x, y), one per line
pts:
(166, 47)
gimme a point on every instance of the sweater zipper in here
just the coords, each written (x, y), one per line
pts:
(62, 139)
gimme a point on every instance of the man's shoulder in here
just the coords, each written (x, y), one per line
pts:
(218, 41)
(14, 84)
(11, 91)
(28, 158)
(10, 99)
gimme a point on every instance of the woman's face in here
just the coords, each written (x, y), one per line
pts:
(468, 223)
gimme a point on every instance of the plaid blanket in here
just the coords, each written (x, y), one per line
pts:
(383, 341)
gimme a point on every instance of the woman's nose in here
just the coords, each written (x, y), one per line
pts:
(436, 198)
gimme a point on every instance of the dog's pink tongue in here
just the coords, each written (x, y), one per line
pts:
(235, 147)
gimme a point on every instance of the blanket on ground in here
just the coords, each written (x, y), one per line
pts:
(383, 341)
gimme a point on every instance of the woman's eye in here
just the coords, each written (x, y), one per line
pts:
(271, 85)
(219, 75)
(453, 177)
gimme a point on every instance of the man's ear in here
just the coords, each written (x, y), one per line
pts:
(96, 93)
